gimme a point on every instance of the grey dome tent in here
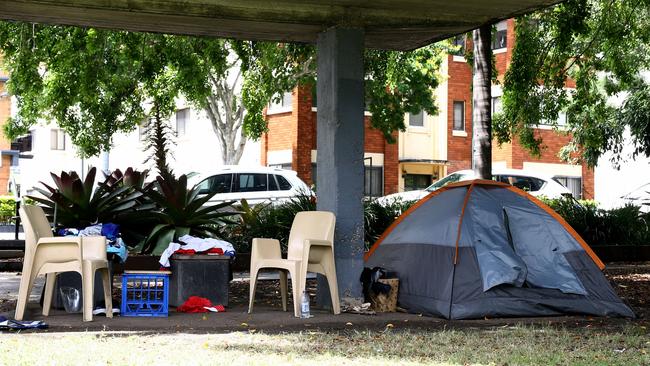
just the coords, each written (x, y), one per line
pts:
(483, 248)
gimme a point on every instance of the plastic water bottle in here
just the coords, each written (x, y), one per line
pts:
(304, 306)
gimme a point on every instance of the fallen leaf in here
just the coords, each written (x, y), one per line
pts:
(244, 324)
(389, 325)
(348, 323)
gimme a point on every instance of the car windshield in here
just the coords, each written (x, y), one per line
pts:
(451, 178)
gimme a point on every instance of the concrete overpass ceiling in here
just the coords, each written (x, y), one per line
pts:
(395, 25)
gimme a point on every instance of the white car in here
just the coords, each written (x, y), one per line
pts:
(534, 183)
(639, 197)
(255, 184)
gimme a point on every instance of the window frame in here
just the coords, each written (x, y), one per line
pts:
(57, 139)
(453, 125)
(500, 33)
(412, 116)
(284, 105)
(179, 112)
(367, 187)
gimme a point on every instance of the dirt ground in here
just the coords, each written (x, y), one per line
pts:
(631, 282)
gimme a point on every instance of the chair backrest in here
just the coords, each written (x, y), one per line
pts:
(310, 225)
(35, 225)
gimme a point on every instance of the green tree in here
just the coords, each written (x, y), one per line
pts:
(86, 80)
(601, 45)
(94, 83)
(395, 82)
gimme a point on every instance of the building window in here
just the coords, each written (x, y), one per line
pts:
(459, 43)
(459, 116)
(574, 184)
(416, 181)
(23, 143)
(373, 181)
(281, 104)
(281, 166)
(57, 139)
(500, 36)
(562, 120)
(182, 117)
(496, 105)
(416, 120)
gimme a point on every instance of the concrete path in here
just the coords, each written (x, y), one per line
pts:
(10, 283)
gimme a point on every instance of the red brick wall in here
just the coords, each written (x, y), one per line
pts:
(587, 183)
(391, 166)
(305, 138)
(459, 149)
(296, 130)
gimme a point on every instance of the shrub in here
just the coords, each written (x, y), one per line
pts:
(7, 209)
(179, 212)
(266, 220)
(274, 221)
(625, 225)
(79, 204)
(378, 217)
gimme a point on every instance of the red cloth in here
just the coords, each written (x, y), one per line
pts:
(196, 304)
(218, 251)
(185, 251)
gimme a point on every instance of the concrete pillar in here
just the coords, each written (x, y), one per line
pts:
(340, 134)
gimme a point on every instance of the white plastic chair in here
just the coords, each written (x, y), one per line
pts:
(310, 249)
(45, 254)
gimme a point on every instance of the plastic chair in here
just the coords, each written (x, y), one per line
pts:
(310, 249)
(45, 254)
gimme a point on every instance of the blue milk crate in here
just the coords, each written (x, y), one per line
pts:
(145, 293)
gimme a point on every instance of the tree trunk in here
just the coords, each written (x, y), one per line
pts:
(482, 98)
(226, 112)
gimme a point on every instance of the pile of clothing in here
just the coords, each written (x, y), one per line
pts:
(196, 304)
(188, 244)
(114, 243)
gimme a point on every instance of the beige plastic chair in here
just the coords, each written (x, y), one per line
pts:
(45, 254)
(310, 249)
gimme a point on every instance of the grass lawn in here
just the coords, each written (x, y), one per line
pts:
(511, 345)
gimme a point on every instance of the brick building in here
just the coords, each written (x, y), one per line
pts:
(431, 146)
(291, 143)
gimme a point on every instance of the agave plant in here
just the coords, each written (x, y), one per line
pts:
(75, 203)
(180, 212)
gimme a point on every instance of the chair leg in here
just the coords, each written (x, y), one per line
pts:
(252, 288)
(23, 295)
(296, 290)
(330, 272)
(108, 297)
(283, 288)
(49, 293)
(87, 284)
